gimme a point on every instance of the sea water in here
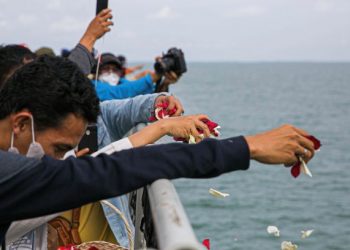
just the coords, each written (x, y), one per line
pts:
(246, 98)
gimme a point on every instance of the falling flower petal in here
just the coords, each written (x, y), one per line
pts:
(300, 166)
(273, 230)
(306, 234)
(206, 243)
(218, 194)
(304, 167)
(295, 171)
(287, 245)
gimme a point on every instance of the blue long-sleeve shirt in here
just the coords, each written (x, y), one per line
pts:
(31, 188)
(125, 88)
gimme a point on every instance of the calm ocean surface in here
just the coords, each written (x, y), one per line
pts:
(248, 98)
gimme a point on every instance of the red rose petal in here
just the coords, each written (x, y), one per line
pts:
(295, 171)
(316, 142)
(206, 243)
(163, 112)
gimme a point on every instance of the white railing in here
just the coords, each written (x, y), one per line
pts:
(173, 229)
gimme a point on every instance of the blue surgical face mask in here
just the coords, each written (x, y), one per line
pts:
(35, 150)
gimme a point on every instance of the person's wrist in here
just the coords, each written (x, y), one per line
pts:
(164, 126)
(253, 150)
(88, 41)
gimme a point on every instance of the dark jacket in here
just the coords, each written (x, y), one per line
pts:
(30, 188)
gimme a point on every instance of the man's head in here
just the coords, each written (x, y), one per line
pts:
(61, 100)
(13, 57)
(45, 51)
(111, 69)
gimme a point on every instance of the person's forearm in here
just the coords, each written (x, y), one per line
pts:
(149, 134)
(155, 77)
(88, 42)
(122, 115)
(55, 186)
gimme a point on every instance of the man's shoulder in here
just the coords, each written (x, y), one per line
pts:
(11, 164)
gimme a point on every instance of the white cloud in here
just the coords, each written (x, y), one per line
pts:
(246, 11)
(27, 19)
(53, 4)
(68, 24)
(127, 34)
(3, 24)
(164, 13)
(323, 6)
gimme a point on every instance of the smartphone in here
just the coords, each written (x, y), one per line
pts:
(89, 139)
(101, 5)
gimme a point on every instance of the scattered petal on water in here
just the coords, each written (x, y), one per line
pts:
(306, 234)
(218, 194)
(273, 230)
(287, 245)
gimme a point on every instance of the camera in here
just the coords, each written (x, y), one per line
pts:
(173, 60)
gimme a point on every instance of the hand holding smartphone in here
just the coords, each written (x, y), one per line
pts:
(101, 5)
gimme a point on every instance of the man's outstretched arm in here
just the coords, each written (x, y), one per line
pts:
(30, 188)
(53, 186)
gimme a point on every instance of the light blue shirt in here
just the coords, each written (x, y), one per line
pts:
(116, 119)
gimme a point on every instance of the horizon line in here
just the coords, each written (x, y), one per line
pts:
(252, 61)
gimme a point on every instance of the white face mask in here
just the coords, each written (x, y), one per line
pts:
(111, 78)
(35, 150)
(69, 154)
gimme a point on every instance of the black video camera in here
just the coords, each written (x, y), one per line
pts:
(173, 60)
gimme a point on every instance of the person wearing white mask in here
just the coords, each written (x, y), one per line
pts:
(111, 83)
(111, 69)
(109, 79)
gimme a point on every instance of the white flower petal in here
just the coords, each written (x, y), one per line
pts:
(287, 245)
(156, 113)
(306, 234)
(217, 194)
(304, 167)
(273, 230)
(192, 140)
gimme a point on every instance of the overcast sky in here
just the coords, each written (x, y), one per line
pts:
(207, 30)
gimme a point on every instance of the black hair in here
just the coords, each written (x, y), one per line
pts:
(13, 57)
(50, 88)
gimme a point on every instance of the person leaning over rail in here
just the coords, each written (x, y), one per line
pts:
(116, 118)
(31, 187)
(50, 101)
(57, 135)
